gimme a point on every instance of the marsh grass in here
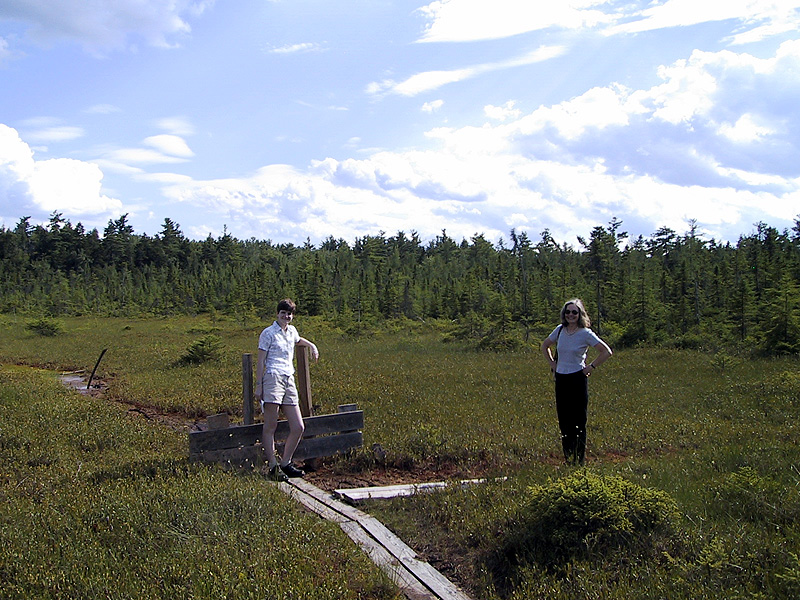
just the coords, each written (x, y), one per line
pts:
(721, 442)
(99, 504)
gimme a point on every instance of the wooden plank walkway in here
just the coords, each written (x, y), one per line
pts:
(354, 495)
(417, 579)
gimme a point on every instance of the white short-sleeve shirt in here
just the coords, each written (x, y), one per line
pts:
(279, 346)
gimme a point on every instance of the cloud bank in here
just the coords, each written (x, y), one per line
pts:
(633, 154)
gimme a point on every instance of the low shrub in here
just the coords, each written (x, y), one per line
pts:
(499, 341)
(581, 513)
(207, 348)
(45, 326)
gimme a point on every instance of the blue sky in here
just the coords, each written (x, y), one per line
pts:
(291, 120)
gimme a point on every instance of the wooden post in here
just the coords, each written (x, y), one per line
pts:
(303, 381)
(247, 388)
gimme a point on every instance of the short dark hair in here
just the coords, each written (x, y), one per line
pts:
(287, 305)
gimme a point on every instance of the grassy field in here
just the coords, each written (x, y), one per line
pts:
(719, 440)
(100, 504)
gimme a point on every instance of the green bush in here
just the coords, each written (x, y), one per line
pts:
(207, 348)
(499, 341)
(45, 326)
(581, 513)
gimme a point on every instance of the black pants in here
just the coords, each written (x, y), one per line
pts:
(572, 405)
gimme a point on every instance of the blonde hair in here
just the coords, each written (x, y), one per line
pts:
(583, 317)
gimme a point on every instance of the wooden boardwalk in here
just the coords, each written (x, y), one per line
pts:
(417, 579)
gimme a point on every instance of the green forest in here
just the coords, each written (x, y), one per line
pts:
(671, 288)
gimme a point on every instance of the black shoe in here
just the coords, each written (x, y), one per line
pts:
(277, 474)
(292, 471)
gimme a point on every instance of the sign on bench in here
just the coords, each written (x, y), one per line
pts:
(240, 445)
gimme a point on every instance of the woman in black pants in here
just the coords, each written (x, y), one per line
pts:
(572, 338)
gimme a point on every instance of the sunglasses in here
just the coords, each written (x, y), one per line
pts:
(571, 312)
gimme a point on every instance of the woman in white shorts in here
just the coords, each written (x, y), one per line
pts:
(275, 388)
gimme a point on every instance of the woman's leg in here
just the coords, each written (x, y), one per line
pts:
(296, 429)
(581, 417)
(268, 432)
(564, 411)
(571, 406)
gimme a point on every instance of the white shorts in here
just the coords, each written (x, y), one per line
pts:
(278, 389)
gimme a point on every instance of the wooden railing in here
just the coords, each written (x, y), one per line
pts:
(240, 445)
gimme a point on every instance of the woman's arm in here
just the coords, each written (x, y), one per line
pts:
(548, 356)
(311, 346)
(603, 353)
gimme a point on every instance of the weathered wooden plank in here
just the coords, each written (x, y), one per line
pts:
(442, 587)
(329, 508)
(314, 505)
(431, 578)
(326, 498)
(328, 445)
(247, 389)
(303, 381)
(411, 587)
(422, 581)
(220, 421)
(389, 540)
(394, 491)
(247, 435)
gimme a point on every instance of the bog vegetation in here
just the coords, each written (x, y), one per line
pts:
(97, 504)
(691, 488)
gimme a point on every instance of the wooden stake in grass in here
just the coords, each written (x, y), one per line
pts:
(247, 388)
(97, 364)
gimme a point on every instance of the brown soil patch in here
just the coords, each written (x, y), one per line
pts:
(77, 380)
(336, 475)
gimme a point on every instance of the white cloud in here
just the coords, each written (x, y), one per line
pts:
(61, 133)
(473, 20)
(171, 145)
(745, 130)
(111, 26)
(103, 109)
(144, 156)
(5, 53)
(108, 165)
(176, 125)
(71, 186)
(432, 107)
(759, 18)
(165, 178)
(156, 149)
(430, 80)
(62, 184)
(502, 113)
(296, 48)
(596, 109)
(655, 157)
(688, 90)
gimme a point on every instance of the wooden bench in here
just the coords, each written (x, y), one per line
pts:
(240, 445)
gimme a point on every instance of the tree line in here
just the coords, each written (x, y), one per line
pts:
(668, 288)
